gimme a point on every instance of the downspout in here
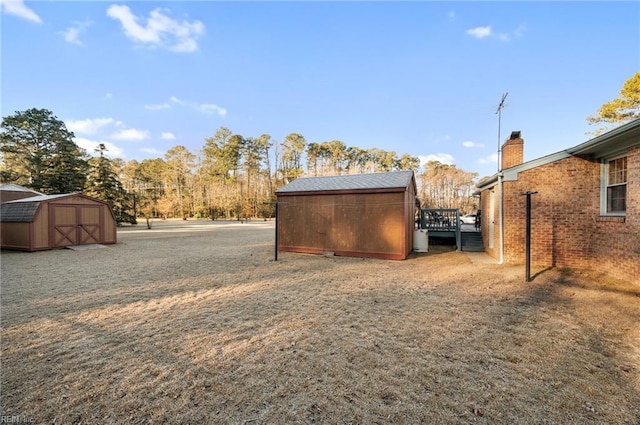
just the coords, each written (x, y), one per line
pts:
(501, 217)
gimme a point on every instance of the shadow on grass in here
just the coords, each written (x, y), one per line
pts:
(589, 279)
(570, 323)
(333, 340)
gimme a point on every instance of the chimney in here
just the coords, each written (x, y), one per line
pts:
(512, 151)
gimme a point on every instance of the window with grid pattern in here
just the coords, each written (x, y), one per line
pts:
(617, 185)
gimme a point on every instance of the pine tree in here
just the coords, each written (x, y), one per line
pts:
(103, 183)
(622, 109)
(39, 152)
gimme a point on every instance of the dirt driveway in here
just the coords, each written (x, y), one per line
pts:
(193, 322)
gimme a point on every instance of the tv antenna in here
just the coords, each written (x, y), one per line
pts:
(499, 112)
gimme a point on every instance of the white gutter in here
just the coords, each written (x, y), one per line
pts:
(625, 135)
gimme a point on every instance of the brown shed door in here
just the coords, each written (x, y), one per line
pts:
(64, 225)
(75, 225)
(89, 229)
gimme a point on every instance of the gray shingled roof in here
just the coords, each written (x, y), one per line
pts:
(391, 180)
(18, 212)
(23, 210)
(10, 187)
(40, 198)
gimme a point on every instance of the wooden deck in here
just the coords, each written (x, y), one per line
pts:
(445, 224)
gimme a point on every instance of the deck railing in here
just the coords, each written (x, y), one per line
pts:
(439, 218)
(441, 222)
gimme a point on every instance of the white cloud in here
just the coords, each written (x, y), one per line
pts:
(205, 108)
(159, 30)
(88, 126)
(157, 106)
(176, 100)
(483, 32)
(443, 158)
(210, 108)
(519, 32)
(470, 144)
(167, 135)
(86, 144)
(72, 34)
(131, 134)
(97, 130)
(491, 159)
(90, 146)
(480, 32)
(108, 95)
(186, 45)
(17, 8)
(152, 151)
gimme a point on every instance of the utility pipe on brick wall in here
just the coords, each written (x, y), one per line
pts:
(500, 216)
(527, 240)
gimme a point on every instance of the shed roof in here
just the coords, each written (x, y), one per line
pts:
(18, 212)
(10, 187)
(40, 198)
(390, 180)
(23, 210)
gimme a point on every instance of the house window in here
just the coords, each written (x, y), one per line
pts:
(616, 185)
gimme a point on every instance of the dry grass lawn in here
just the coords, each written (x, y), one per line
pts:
(194, 323)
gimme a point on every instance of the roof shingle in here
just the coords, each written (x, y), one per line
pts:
(390, 180)
(18, 212)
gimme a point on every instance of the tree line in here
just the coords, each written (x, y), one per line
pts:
(231, 176)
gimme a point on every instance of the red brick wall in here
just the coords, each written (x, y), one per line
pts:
(560, 221)
(512, 153)
(618, 240)
(487, 219)
(567, 228)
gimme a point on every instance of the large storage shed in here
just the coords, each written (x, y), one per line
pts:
(56, 221)
(363, 215)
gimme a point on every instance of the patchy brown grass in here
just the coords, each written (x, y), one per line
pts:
(195, 323)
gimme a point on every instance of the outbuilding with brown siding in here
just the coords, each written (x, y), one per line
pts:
(361, 215)
(56, 221)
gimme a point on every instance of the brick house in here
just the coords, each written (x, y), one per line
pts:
(586, 213)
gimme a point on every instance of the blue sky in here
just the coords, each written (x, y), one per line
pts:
(418, 77)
